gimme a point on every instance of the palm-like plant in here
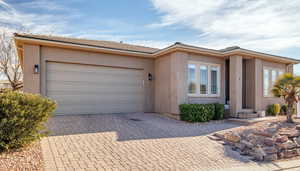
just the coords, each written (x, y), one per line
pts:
(288, 87)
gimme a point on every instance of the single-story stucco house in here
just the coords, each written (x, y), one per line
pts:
(94, 77)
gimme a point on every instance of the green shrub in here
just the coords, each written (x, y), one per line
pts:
(197, 112)
(273, 109)
(22, 118)
(219, 111)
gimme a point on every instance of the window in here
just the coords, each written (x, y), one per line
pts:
(192, 78)
(203, 79)
(270, 77)
(214, 80)
(266, 82)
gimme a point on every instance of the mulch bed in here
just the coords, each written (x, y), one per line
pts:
(27, 158)
(264, 141)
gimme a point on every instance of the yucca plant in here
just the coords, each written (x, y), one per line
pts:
(288, 88)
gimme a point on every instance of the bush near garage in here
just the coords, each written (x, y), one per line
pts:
(22, 118)
(197, 112)
(273, 109)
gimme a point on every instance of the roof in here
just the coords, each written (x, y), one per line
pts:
(142, 51)
(96, 43)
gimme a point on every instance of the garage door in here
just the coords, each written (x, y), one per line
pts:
(85, 89)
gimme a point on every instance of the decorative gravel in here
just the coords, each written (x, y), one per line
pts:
(27, 158)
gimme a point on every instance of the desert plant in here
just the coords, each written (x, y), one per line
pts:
(288, 87)
(197, 112)
(273, 109)
(22, 118)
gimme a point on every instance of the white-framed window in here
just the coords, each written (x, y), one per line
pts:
(203, 79)
(270, 75)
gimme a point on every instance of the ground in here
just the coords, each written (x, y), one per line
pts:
(140, 142)
(27, 158)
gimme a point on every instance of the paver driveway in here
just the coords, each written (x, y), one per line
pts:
(135, 142)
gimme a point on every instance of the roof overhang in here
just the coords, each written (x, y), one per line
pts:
(20, 40)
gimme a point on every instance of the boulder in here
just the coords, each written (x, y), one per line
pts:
(286, 145)
(219, 135)
(282, 139)
(271, 157)
(263, 133)
(240, 146)
(258, 153)
(291, 133)
(247, 144)
(269, 141)
(297, 140)
(291, 153)
(270, 150)
(232, 137)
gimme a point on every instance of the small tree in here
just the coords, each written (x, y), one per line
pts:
(9, 63)
(288, 87)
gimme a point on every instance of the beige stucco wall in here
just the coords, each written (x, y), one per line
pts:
(249, 87)
(40, 55)
(170, 82)
(162, 84)
(169, 88)
(236, 73)
(31, 80)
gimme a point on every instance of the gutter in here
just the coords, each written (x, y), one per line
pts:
(175, 47)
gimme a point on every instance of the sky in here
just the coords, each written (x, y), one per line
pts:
(263, 25)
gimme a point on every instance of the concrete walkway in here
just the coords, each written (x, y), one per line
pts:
(141, 142)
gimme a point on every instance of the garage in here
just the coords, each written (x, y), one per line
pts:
(91, 89)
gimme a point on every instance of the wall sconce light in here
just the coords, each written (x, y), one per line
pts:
(36, 68)
(150, 77)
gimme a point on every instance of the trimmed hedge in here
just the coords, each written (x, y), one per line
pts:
(273, 109)
(201, 112)
(219, 111)
(22, 118)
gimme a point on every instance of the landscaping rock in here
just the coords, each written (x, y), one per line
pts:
(263, 133)
(232, 137)
(219, 135)
(271, 157)
(266, 142)
(258, 153)
(290, 133)
(247, 144)
(240, 146)
(297, 140)
(282, 139)
(271, 130)
(287, 145)
(269, 141)
(270, 150)
(291, 153)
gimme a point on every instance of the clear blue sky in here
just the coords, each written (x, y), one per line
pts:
(265, 25)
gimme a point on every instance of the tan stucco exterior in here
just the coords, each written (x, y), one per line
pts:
(168, 89)
(36, 83)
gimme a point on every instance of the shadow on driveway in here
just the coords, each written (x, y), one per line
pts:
(133, 126)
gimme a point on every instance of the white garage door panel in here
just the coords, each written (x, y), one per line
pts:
(83, 89)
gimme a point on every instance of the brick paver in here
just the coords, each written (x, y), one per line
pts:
(137, 142)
